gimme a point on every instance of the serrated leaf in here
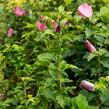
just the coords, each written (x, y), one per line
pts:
(105, 63)
(64, 65)
(27, 79)
(48, 31)
(61, 9)
(46, 57)
(88, 33)
(60, 100)
(90, 56)
(104, 11)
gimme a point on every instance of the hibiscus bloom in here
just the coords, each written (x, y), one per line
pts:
(40, 26)
(85, 10)
(19, 11)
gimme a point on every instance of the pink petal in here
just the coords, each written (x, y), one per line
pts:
(19, 11)
(41, 26)
(85, 10)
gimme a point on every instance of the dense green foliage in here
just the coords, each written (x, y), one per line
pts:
(43, 69)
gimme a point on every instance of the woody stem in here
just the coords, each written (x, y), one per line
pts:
(58, 62)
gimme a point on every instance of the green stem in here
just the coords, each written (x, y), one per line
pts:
(58, 62)
(25, 94)
(48, 51)
(4, 14)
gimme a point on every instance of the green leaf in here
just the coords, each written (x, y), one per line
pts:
(104, 11)
(65, 66)
(90, 56)
(29, 25)
(6, 84)
(1, 75)
(46, 57)
(105, 97)
(61, 9)
(72, 108)
(104, 107)
(106, 1)
(81, 102)
(88, 33)
(67, 2)
(20, 107)
(49, 94)
(13, 101)
(92, 107)
(105, 63)
(27, 79)
(48, 31)
(61, 101)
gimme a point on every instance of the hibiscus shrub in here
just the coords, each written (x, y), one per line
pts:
(54, 54)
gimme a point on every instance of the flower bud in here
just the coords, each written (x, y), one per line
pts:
(42, 17)
(89, 46)
(87, 85)
(1, 96)
(10, 32)
(56, 26)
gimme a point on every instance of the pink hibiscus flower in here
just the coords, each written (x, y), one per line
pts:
(19, 11)
(40, 26)
(85, 10)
